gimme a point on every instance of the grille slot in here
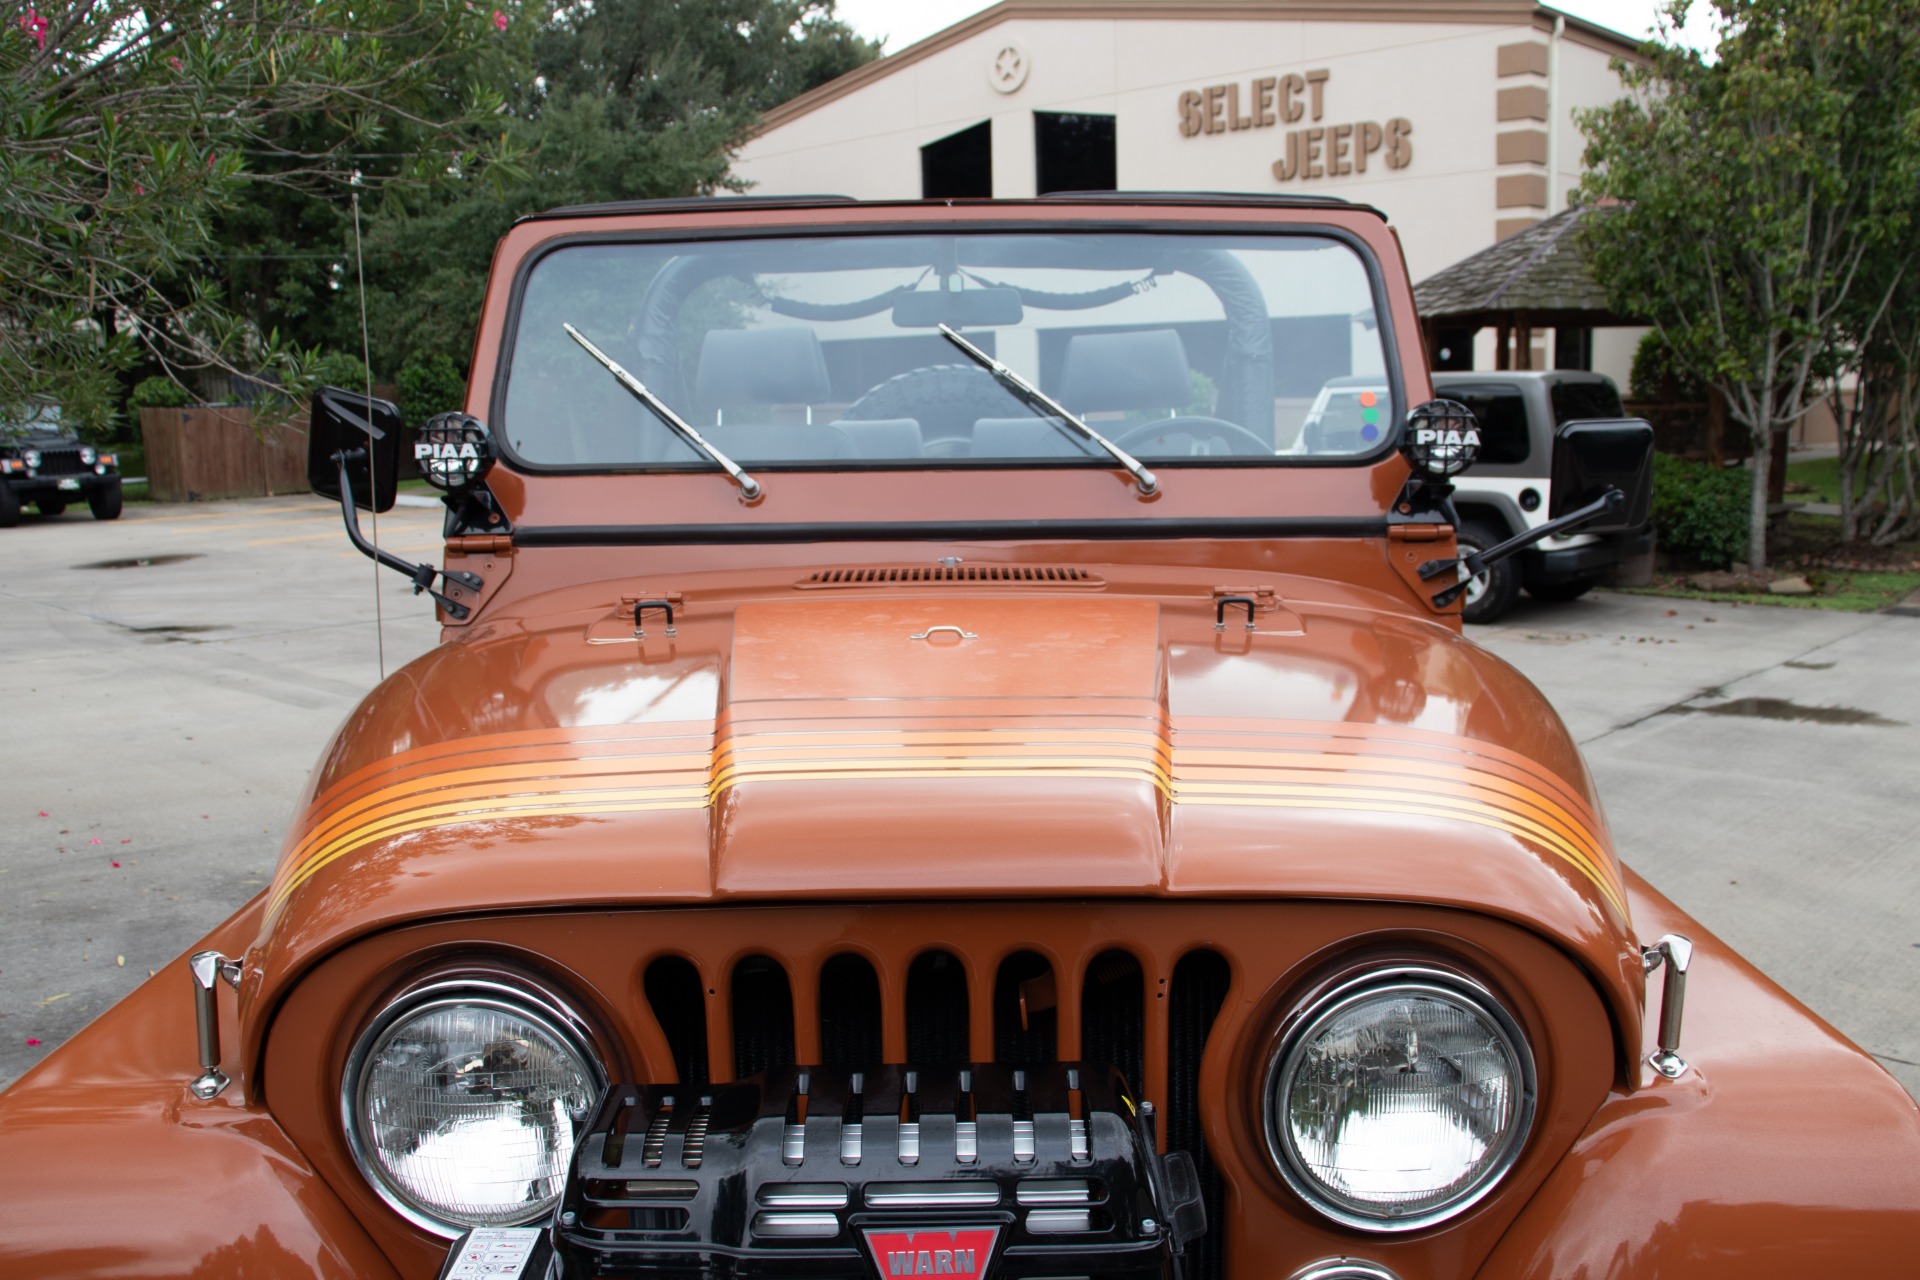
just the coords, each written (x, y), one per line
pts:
(961, 575)
(673, 989)
(1200, 984)
(937, 1026)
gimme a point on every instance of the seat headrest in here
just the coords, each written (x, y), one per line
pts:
(761, 366)
(1145, 370)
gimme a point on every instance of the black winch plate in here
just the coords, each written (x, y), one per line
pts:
(847, 1175)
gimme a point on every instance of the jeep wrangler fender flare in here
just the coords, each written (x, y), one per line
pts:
(1668, 1173)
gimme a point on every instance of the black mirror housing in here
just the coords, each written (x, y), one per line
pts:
(1596, 454)
(349, 422)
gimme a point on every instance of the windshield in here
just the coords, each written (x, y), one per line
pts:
(827, 350)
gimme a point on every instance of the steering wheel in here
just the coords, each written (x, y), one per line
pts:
(1201, 428)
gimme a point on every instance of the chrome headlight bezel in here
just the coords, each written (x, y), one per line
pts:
(1328, 1001)
(512, 995)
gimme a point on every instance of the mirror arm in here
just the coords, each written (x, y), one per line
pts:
(422, 574)
(1610, 503)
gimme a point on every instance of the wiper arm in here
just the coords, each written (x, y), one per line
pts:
(1034, 395)
(749, 487)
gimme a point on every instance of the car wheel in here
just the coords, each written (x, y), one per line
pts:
(50, 506)
(1560, 592)
(9, 506)
(104, 501)
(1490, 594)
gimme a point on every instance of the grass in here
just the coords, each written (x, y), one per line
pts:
(1821, 475)
(1804, 538)
(1841, 591)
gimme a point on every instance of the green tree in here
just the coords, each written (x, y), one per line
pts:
(1754, 190)
(626, 100)
(126, 131)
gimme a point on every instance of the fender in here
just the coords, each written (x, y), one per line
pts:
(114, 1168)
(1733, 1170)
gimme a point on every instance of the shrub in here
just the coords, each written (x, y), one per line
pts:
(338, 369)
(1658, 378)
(1699, 510)
(429, 384)
(158, 392)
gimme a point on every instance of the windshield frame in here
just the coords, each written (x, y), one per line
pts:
(1369, 264)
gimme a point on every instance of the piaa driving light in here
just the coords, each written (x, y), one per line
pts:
(1399, 1098)
(1442, 438)
(456, 1103)
(453, 450)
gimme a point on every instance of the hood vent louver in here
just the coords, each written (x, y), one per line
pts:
(977, 575)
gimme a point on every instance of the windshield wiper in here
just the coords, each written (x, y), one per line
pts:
(1035, 396)
(749, 487)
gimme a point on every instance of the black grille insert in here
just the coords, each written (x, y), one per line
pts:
(676, 996)
(1199, 988)
(762, 1016)
(937, 1016)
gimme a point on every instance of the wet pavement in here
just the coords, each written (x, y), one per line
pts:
(170, 679)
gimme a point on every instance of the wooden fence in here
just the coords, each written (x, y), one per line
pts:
(200, 453)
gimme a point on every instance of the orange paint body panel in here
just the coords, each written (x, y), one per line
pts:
(1165, 770)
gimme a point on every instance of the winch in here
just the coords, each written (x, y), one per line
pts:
(896, 1171)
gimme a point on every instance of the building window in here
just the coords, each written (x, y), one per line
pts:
(1073, 152)
(959, 165)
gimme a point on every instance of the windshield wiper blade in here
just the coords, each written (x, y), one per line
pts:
(749, 487)
(1034, 395)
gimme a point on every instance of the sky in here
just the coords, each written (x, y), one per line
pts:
(902, 22)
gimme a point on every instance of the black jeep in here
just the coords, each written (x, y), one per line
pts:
(44, 463)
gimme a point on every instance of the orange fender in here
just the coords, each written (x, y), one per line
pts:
(1783, 1150)
(113, 1168)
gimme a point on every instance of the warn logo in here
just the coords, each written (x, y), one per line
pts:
(961, 1252)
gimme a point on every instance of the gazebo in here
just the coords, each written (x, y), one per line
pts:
(1535, 279)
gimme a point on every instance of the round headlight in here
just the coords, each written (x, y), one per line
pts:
(87, 455)
(456, 1105)
(32, 458)
(1399, 1098)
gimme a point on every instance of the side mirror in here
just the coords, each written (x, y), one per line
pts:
(1598, 454)
(367, 431)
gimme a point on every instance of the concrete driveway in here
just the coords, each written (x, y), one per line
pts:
(1761, 766)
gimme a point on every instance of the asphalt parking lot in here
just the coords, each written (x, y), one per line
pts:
(170, 678)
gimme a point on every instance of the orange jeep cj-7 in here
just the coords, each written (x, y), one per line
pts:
(933, 768)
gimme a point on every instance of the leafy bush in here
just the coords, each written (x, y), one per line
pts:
(1700, 511)
(158, 392)
(429, 384)
(338, 369)
(1658, 378)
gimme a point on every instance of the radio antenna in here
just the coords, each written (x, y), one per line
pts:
(373, 479)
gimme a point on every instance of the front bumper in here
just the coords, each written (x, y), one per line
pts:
(77, 485)
(1618, 556)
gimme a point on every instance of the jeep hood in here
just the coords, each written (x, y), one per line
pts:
(889, 745)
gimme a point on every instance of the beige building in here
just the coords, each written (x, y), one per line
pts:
(1454, 117)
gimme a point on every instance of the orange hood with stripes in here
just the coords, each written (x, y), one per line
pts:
(863, 745)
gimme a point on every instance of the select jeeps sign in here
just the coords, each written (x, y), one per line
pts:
(933, 1251)
(1311, 151)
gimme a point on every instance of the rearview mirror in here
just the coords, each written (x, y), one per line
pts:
(1592, 456)
(366, 430)
(964, 308)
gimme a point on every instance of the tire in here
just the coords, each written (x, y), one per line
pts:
(104, 501)
(9, 506)
(1491, 594)
(945, 399)
(50, 507)
(1560, 592)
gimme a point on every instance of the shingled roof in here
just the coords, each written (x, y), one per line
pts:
(1538, 275)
